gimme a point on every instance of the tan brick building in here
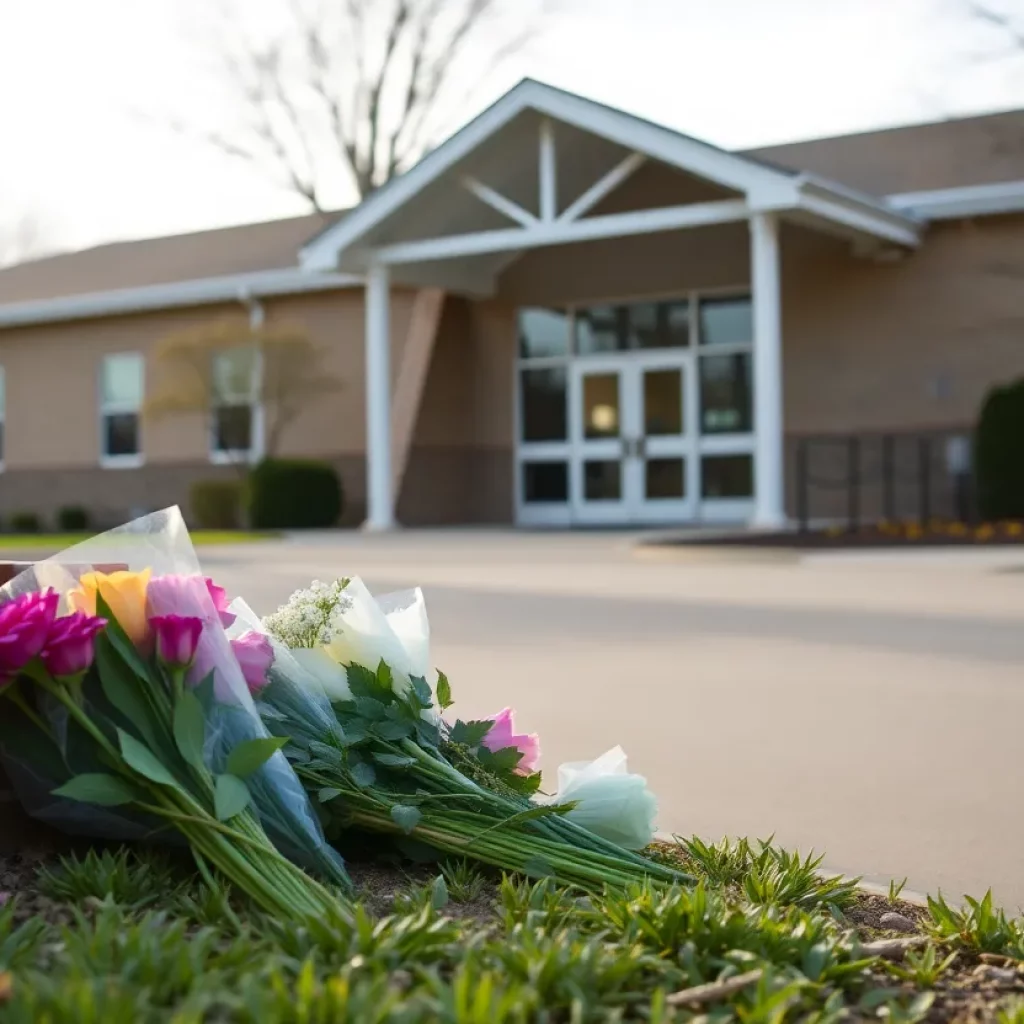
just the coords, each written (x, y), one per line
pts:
(563, 315)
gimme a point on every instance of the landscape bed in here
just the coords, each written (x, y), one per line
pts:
(134, 937)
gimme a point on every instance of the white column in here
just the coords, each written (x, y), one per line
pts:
(380, 511)
(769, 464)
(548, 172)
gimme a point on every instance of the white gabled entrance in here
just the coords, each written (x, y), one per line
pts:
(539, 168)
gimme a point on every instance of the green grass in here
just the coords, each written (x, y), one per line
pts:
(57, 541)
(135, 938)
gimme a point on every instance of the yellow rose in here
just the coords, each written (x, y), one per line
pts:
(124, 594)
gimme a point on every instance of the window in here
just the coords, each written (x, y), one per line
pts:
(121, 390)
(646, 325)
(543, 333)
(235, 394)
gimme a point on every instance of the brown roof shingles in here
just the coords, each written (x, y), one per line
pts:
(944, 154)
(270, 245)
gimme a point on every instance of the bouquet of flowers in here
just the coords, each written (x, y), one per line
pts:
(353, 695)
(126, 712)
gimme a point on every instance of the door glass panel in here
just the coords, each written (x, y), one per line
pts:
(542, 404)
(665, 478)
(726, 403)
(602, 480)
(663, 402)
(543, 333)
(727, 476)
(726, 322)
(545, 482)
(601, 417)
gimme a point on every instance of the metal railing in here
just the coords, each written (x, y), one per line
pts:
(863, 478)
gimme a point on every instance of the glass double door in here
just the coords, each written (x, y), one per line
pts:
(633, 432)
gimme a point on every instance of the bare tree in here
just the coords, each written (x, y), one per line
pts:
(363, 84)
(223, 368)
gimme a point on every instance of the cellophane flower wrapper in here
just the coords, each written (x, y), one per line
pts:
(160, 543)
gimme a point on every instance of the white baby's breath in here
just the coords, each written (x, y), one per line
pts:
(311, 618)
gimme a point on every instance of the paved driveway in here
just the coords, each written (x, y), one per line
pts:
(872, 708)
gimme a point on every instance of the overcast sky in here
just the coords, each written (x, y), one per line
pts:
(74, 75)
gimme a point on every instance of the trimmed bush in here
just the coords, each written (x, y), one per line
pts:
(293, 494)
(999, 453)
(72, 519)
(216, 504)
(25, 522)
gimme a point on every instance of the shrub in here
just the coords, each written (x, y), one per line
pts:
(73, 519)
(25, 522)
(216, 504)
(293, 494)
(999, 453)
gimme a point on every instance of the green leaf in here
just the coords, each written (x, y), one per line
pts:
(325, 752)
(524, 785)
(421, 688)
(470, 734)
(230, 797)
(405, 817)
(363, 775)
(97, 788)
(124, 688)
(204, 692)
(190, 729)
(439, 893)
(361, 681)
(353, 730)
(141, 759)
(394, 760)
(395, 730)
(538, 867)
(385, 680)
(370, 709)
(327, 794)
(501, 762)
(251, 755)
(428, 733)
(444, 692)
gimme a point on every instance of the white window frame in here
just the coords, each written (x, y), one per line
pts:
(137, 459)
(707, 510)
(257, 438)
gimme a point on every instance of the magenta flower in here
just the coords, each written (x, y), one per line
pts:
(219, 596)
(70, 647)
(177, 637)
(255, 655)
(502, 735)
(25, 623)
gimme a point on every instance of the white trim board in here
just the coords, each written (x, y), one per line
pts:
(965, 201)
(767, 187)
(199, 292)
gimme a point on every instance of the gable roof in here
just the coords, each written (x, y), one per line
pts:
(986, 149)
(240, 249)
(769, 186)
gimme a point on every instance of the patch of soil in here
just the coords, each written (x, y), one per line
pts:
(869, 909)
